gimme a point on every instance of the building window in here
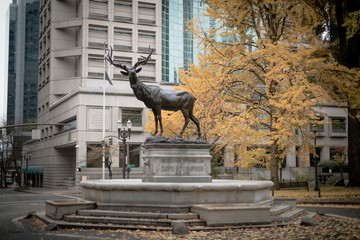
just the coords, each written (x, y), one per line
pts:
(123, 11)
(96, 66)
(134, 155)
(135, 116)
(70, 125)
(97, 36)
(320, 127)
(338, 153)
(122, 39)
(338, 125)
(98, 9)
(125, 61)
(148, 72)
(146, 39)
(94, 155)
(147, 13)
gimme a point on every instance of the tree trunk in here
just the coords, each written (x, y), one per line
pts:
(274, 166)
(110, 172)
(354, 150)
(350, 57)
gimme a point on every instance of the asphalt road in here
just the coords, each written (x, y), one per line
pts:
(15, 205)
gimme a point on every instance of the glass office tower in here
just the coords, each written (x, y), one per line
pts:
(12, 15)
(178, 46)
(23, 18)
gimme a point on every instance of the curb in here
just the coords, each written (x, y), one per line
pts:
(60, 191)
(330, 202)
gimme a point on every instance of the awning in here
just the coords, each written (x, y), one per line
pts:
(33, 169)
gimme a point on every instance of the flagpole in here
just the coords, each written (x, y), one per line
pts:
(103, 137)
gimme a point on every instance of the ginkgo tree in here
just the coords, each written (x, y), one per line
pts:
(258, 78)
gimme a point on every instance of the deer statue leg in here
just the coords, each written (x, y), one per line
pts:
(186, 118)
(194, 119)
(160, 122)
(156, 122)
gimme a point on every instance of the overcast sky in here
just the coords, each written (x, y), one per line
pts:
(4, 6)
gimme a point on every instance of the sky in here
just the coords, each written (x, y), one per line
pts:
(4, 6)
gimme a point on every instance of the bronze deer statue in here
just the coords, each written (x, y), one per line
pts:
(158, 99)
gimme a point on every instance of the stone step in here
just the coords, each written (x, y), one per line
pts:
(287, 216)
(285, 201)
(278, 209)
(307, 215)
(232, 214)
(67, 225)
(144, 207)
(126, 214)
(129, 221)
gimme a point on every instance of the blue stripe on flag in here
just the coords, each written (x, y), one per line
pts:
(108, 78)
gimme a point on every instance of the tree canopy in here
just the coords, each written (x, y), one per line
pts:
(260, 72)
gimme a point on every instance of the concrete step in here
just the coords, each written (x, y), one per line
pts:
(144, 208)
(285, 201)
(278, 209)
(232, 214)
(288, 215)
(147, 215)
(307, 215)
(129, 221)
(69, 225)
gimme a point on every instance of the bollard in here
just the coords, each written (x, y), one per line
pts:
(273, 187)
(318, 183)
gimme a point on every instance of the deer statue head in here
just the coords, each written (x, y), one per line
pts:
(131, 72)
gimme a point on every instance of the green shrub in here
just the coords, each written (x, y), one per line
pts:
(262, 176)
(302, 176)
(214, 171)
(238, 176)
(334, 165)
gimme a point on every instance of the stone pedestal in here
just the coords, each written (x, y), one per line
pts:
(177, 162)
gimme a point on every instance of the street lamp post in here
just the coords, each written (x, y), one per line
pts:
(317, 184)
(123, 134)
(27, 158)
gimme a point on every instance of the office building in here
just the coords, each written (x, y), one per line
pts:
(22, 38)
(23, 30)
(70, 77)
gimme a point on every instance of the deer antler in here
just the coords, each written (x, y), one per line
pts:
(144, 60)
(108, 58)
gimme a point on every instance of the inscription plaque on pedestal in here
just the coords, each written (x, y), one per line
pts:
(179, 162)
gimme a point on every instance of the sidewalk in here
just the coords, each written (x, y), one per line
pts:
(330, 201)
(54, 191)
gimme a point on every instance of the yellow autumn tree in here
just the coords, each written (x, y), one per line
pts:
(261, 71)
